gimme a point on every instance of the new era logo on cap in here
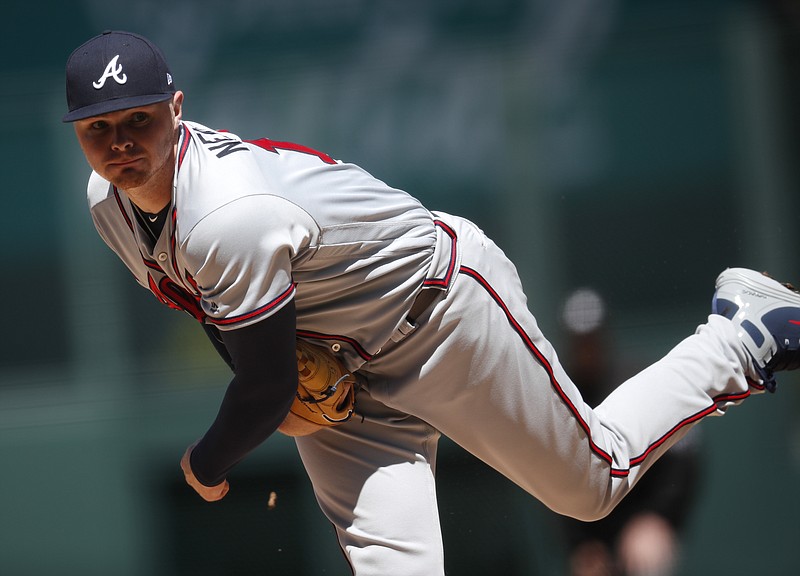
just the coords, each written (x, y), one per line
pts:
(114, 71)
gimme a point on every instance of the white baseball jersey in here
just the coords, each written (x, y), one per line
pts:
(350, 249)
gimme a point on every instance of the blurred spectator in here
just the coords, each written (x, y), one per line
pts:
(642, 536)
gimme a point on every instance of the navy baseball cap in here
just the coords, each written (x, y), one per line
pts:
(114, 71)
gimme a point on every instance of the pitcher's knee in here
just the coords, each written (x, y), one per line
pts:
(587, 505)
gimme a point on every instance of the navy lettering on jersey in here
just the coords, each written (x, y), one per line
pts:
(215, 141)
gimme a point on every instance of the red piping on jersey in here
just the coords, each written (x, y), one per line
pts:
(352, 342)
(445, 282)
(187, 136)
(185, 279)
(173, 242)
(192, 282)
(152, 265)
(266, 308)
(636, 461)
(721, 399)
(122, 208)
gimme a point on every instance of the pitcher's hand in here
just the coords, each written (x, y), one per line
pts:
(208, 493)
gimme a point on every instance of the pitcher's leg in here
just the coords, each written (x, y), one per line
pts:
(701, 376)
(374, 480)
(479, 369)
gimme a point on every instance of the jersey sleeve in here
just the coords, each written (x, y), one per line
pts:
(241, 257)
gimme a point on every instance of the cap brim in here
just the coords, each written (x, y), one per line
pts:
(113, 105)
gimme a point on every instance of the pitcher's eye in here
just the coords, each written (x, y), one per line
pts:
(139, 117)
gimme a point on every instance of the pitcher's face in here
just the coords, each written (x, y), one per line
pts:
(130, 147)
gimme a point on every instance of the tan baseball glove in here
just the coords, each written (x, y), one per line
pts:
(325, 392)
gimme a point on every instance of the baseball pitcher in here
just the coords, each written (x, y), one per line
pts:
(366, 325)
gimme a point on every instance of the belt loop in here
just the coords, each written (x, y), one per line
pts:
(421, 303)
(402, 331)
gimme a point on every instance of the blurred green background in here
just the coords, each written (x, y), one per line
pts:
(637, 147)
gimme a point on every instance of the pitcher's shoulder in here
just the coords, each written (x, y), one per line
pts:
(98, 189)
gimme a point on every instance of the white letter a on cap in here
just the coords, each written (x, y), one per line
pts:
(113, 70)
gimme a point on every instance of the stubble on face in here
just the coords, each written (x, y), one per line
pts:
(135, 150)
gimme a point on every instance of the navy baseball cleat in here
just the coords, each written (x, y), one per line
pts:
(767, 316)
